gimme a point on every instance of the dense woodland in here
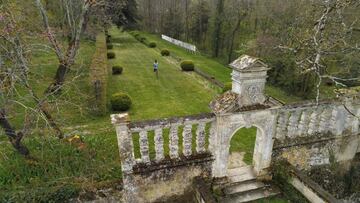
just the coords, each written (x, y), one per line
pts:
(288, 35)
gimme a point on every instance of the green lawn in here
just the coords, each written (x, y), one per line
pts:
(175, 93)
(213, 67)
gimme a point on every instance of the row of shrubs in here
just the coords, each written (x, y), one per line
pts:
(143, 39)
(119, 101)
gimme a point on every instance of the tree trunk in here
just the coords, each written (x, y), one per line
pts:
(233, 38)
(218, 25)
(14, 138)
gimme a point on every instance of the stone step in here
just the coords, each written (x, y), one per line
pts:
(253, 195)
(243, 187)
(242, 174)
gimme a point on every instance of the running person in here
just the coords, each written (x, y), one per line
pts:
(156, 68)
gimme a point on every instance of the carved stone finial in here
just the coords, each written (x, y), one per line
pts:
(249, 78)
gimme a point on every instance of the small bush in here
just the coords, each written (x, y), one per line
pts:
(120, 102)
(165, 52)
(108, 40)
(142, 39)
(110, 46)
(187, 66)
(152, 44)
(110, 55)
(117, 70)
(227, 86)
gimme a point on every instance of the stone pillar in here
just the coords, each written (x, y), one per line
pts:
(144, 147)
(159, 145)
(200, 138)
(187, 140)
(174, 142)
(127, 159)
(248, 80)
(212, 137)
(356, 123)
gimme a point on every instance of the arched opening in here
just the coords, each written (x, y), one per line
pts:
(242, 146)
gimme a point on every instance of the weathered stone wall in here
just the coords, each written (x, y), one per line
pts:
(173, 179)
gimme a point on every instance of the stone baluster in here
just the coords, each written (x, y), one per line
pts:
(144, 147)
(200, 138)
(293, 123)
(314, 121)
(325, 118)
(281, 125)
(304, 123)
(159, 145)
(187, 140)
(174, 142)
(337, 120)
(212, 137)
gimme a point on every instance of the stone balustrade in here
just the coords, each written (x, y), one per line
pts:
(197, 123)
(307, 119)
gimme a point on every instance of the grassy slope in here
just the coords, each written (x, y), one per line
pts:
(61, 169)
(175, 93)
(212, 67)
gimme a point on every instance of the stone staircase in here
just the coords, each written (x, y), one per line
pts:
(242, 186)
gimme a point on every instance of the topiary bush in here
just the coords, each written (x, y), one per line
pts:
(142, 39)
(120, 102)
(117, 70)
(165, 52)
(227, 86)
(110, 46)
(187, 65)
(110, 55)
(108, 40)
(152, 44)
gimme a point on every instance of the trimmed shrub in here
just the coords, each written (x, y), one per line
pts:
(152, 44)
(120, 102)
(165, 52)
(110, 46)
(142, 39)
(187, 65)
(227, 86)
(110, 55)
(108, 40)
(117, 70)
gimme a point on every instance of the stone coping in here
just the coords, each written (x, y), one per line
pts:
(168, 122)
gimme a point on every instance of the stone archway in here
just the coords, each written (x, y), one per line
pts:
(242, 147)
(229, 124)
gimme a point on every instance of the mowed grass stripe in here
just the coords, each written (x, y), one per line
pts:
(175, 93)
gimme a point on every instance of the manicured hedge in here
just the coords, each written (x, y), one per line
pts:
(152, 44)
(117, 70)
(165, 52)
(120, 102)
(99, 77)
(110, 55)
(187, 65)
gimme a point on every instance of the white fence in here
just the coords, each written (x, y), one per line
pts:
(185, 45)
